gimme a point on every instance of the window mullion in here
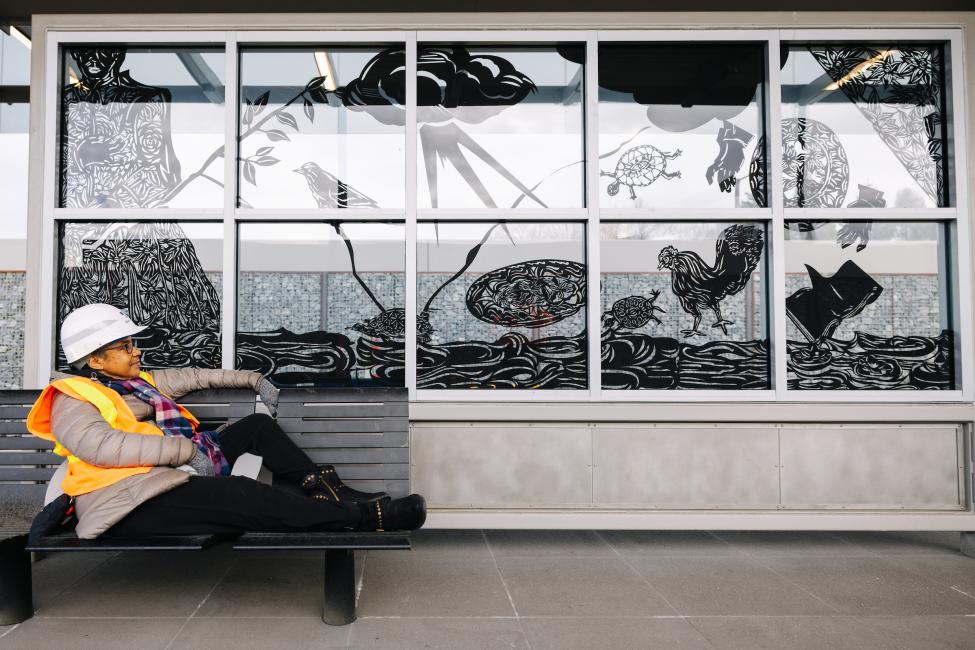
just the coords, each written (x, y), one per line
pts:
(410, 151)
(229, 308)
(591, 133)
(776, 200)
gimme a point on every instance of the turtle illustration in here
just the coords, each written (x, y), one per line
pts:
(391, 324)
(639, 167)
(632, 312)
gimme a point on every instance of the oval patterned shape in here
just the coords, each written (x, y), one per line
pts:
(529, 294)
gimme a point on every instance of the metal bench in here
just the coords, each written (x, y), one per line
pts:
(364, 432)
(361, 431)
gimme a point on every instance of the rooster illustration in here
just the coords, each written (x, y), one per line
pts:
(700, 287)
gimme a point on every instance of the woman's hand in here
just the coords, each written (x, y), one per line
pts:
(269, 395)
(201, 463)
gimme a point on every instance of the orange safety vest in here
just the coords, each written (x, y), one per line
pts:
(83, 477)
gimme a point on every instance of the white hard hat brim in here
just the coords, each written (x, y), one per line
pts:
(83, 340)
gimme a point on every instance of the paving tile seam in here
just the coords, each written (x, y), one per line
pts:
(504, 583)
(640, 575)
(891, 560)
(108, 558)
(12, 628)
(199, 605)
(801, 588)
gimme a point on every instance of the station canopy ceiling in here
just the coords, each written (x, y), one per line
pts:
(23, 9)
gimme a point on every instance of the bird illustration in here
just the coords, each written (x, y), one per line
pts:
(330, 192)
(700, 287)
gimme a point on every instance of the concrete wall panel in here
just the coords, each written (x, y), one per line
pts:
(502, 466)
(724, 466)
(871, 467)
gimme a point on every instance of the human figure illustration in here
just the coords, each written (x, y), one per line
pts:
(116, 144)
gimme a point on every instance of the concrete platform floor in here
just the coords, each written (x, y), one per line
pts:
(526, 589)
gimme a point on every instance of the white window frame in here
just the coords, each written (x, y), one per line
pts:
(591, 215)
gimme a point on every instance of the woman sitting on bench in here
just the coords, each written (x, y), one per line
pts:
(138, 465)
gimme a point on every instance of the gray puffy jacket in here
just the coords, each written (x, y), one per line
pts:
(80, 427)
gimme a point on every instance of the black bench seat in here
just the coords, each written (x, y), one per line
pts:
(71, 542)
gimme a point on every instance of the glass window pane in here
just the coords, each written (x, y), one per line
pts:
(874, 316)
(141, 127)
(322, 127)
(321, 304)
(165, 275)
(500, 126)
(501, 305)
(681, 125)
(864, 125)
(14, 71)
(684, 306)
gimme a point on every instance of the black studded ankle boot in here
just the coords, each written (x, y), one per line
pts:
(326, 485)
(407, 513)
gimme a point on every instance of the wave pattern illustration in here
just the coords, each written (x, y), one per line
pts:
(873, 363)
(638, 361)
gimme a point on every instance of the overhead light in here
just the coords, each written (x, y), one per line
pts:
(325, 69)
(20, 36)
(859, 69)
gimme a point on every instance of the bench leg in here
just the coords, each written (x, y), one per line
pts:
(339, 587)
(968, 543)
(16, 598)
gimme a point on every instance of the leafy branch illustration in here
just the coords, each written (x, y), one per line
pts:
(313, 92)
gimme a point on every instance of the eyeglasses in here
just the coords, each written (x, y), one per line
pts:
(126, 346)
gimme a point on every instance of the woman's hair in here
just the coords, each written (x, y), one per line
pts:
(81, 367)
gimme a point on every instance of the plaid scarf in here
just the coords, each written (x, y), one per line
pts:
(170, 420)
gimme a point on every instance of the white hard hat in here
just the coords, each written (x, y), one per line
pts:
(90, 327)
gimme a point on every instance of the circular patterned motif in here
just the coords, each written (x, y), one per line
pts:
(640, 166)
(817, 172)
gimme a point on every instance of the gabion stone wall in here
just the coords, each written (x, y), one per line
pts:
(11, 329)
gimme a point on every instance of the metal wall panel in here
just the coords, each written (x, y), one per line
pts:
(712, 466)
(612, 466)
(871, 467)
(502, 466)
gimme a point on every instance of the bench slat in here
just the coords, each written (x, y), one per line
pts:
(24, 442)
(319, 440)
(30, 458)
(371, 394)
(312, 541)
(388, 471)
(13, 426)
(311, 409)
(14, 411)
(341, 425)
(376, 455)
(26, 473)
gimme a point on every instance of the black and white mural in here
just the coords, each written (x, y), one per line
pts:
(310, 315)
(489, 136)
(116, 131)
(867, 317)
(321, 127)
(495, 315)
(698, 322)
(679, 121)
(152, 270)
(863, 119)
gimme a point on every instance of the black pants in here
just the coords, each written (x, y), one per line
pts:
(233, 504)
